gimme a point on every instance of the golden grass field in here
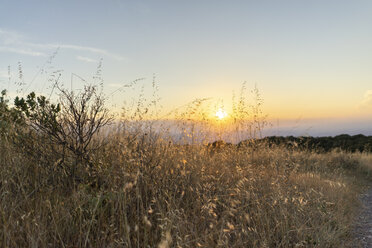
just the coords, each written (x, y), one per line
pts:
(164, 195)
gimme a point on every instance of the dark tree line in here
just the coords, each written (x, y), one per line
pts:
(344, 142)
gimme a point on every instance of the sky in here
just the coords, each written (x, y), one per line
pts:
(311, 60)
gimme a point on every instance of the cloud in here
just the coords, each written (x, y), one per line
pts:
(22, 51)
(4, 74)
(78, 48)
(11, 41)
(367, 100)
(10, 37)
(115, 85)
(89, 49)
(86, 59)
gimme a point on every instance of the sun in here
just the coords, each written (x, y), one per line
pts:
(221, 114)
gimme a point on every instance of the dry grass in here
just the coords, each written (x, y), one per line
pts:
(145, 193)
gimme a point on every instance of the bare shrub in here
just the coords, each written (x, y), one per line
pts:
(68, 127)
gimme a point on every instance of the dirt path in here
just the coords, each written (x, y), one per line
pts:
(363, 226)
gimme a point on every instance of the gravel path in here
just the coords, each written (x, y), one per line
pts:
(363, 226)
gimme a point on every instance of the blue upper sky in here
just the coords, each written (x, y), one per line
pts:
(310, 59)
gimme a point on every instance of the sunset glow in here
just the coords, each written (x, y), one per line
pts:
(221, 114)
